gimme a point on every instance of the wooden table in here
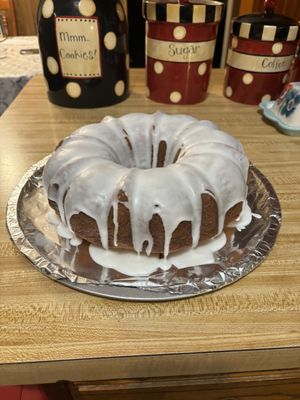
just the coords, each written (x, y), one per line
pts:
(49, 332)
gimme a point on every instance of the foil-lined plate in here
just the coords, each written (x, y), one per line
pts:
(55, 257)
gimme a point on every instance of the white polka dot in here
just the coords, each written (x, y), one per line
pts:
(87, 7)
(202, 68)
(175, 97)
(285, 78)
(127, 61)
(247, 79)
(120, 88)
(120, 12)
(228, 91)
(110, 40)
(73, 89)
(158, 67)
(52, 65)
(266, 97)
(179, 32)
(147, 91)
(234, 42)
(277, 47)
(48, 9)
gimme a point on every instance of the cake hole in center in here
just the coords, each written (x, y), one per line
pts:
(156, 160)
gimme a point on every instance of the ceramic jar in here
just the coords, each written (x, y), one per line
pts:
(261, 50)
(180, 44)
(84, 51)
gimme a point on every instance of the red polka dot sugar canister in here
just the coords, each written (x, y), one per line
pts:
(180, 44)
(84, 51)
(261, 50)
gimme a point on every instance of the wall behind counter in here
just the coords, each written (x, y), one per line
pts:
(26, 25)
(26, 16)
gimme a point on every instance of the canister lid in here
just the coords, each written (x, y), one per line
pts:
(197, 11)
(266, 26)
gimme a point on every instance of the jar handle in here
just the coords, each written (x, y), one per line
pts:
(269, 6)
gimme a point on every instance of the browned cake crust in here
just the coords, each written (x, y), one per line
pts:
(86, 228)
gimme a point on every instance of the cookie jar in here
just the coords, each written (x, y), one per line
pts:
(261, 50)
(180, 44)
(84, 51)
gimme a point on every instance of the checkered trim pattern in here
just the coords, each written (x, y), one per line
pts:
(270, 33)
(204, 11)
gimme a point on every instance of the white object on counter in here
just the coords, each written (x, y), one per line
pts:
(285, 111)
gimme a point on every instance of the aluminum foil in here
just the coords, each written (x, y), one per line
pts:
(71, 265)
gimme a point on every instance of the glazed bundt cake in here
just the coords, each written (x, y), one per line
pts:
(155, 183)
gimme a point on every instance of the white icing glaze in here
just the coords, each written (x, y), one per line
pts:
(132, 264)
(62, 230)
(258, 216)
(244, 219)
(86, 173)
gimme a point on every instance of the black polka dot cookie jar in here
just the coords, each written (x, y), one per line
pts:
(261, 50)
(180, 44)
(84, 51)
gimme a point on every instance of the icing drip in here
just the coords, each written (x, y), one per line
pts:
(131, 264)
(92, 166)
(62, 230)
(244, 219)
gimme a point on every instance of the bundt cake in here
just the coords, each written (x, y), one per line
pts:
(148, 182)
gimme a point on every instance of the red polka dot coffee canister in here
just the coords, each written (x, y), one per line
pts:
(180, 44)
(261, 50)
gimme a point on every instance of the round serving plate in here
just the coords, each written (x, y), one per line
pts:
(55, 257)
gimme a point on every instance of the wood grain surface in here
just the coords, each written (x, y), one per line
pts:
(49, 330)
(275, 385)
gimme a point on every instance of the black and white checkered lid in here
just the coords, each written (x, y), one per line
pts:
(199, 11)
(269, 27)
